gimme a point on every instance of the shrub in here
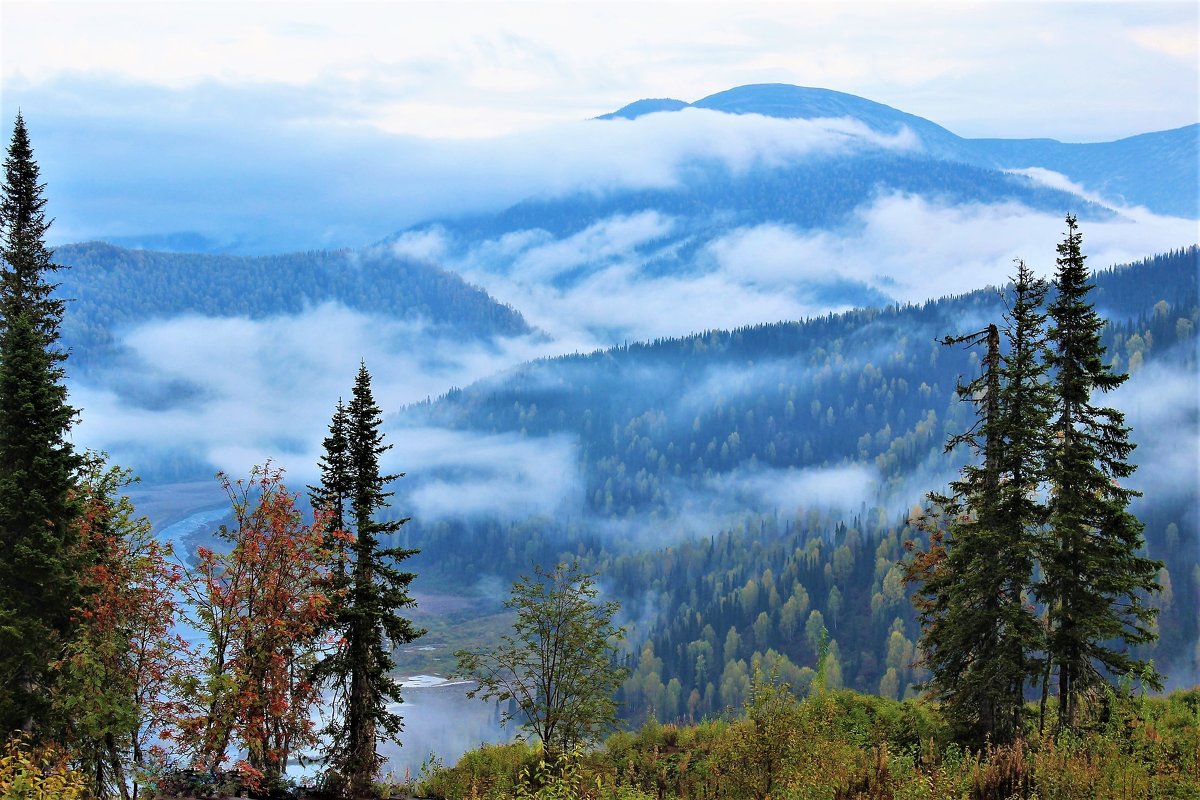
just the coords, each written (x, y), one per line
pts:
(33, 772)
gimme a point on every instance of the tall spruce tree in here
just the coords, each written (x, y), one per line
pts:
(38, 583)
(1026, 404)
(961, 596)
(1095, 580)
(979, 633)
(333, 492)
(370, 591)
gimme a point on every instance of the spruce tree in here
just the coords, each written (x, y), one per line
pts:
(38, 583)
(979, 633)
(1025, 406)
(1094, 578)
(370, 593)
(332, 494)
(961, 595)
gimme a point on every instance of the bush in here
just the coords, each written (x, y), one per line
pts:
(29, 772)
(844, 745)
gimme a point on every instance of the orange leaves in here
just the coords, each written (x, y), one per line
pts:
(265, 604)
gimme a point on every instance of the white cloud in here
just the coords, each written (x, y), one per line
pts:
(904, 247)
(268, 387)
(1173, 41)
(1162, 406)
(501, 476)
(602, 241)
(427, 245)
(1056, 180)
(838, 489)
(472, 68)
(295, 180)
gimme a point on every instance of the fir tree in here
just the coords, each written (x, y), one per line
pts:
(1095, 580)
(367, 597)
(1025, 407)
(332, 494)
(980, 635)
(38, 583)
(961, 596)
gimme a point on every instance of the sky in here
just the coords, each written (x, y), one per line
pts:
(268, 126)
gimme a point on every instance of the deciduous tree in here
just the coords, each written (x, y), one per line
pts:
(113, 692)
(262, 606)
(559, 664)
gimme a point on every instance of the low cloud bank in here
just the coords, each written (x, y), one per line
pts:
(231, 152)
(897, 248)
(267, 388)
(465, 475)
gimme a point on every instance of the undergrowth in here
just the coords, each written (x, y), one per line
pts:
(847, 746)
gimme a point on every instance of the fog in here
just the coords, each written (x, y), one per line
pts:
(267, 388)
(1161, 402)
(328, 184)
(896, 248)
(465, 475)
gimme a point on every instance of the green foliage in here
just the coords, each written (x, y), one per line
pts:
(645, 415)
(847, 745)
(38, 772)
(979, 634)
(559, 663)
(38, 586)
(1037, 434)
(261, 606)
(1095, 577)
(113, 693)
(368, 592)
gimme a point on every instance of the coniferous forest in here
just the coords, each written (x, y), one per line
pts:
(963, 592)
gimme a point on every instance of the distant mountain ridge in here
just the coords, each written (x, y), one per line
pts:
(1116, 169)
(112, 289)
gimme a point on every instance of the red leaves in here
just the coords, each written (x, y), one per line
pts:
(265, 602)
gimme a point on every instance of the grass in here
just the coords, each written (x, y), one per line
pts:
(843, 745)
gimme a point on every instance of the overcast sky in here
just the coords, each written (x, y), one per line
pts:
(1078, 71)
(333, 124)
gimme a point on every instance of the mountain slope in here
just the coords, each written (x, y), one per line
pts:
(1158, 170)
(772, 202)
(112, 289)
(741, 489)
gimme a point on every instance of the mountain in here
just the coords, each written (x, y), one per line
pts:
(112, 289)
(772, 202)
(1158, 170)
(785, 101)
(740, 489)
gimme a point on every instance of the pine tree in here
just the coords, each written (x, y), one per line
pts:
(961, 596)
(1095, 581)
(980, 635)
(373, 589)
(1024, 408)
(38, 583)
(332, 494)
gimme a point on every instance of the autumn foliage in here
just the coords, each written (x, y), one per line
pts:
(261, 606)
(113, 692)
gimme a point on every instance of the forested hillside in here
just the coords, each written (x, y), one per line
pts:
(111, 289)
(744, 489)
